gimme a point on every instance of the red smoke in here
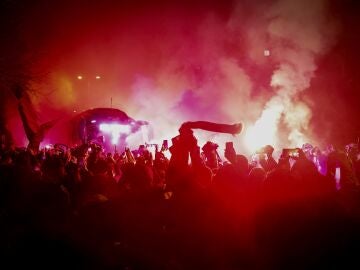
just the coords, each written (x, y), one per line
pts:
(170, 63)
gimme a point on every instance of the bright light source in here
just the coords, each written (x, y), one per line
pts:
(266, 53)
(264, 131)
(80, 77)
(93, 121)
(337, 178)
(98, 77)
(48, 146)
(115, 130)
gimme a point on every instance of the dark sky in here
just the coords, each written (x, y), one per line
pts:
(195, 55)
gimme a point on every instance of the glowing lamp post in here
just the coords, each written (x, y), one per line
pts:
(88, 80)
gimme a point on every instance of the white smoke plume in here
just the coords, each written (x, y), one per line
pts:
(298, 32)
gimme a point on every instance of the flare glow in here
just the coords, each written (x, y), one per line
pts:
(264, 130)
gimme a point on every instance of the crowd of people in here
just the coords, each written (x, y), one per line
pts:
(85, 208)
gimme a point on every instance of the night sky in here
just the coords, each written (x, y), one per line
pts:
(172, 61)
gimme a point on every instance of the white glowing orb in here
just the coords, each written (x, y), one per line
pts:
(115, 130)
(264, 131)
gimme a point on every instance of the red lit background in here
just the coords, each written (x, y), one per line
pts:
(288, 69)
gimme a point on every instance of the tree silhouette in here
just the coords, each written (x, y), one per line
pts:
(17, 62)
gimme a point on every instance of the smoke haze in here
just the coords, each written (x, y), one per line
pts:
(250, 61)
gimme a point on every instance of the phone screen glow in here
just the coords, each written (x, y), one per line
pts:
(337, 177)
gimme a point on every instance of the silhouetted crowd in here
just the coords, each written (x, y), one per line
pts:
(83, 208)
